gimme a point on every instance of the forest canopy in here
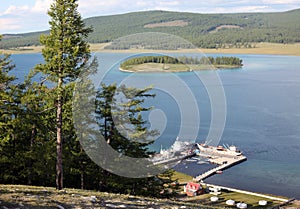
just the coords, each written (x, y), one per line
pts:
(203, 30)
(179, 64)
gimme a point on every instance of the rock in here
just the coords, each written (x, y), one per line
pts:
(63, 191)
(93, 199)
(60, 207)
(115, 206)
(4, 207)
(75, 195)
(110, 205)
(21, 205)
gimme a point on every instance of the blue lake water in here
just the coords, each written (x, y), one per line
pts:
(263, 116)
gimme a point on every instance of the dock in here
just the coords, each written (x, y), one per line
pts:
(223, 157)
(223, 162)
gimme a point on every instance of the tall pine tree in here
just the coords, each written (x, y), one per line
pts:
(65, 52)
(7, 110)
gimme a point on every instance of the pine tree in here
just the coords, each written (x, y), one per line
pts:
(133, 141)
(7, 109)
(65, 52)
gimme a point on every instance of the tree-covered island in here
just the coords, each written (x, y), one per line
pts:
(179, 64)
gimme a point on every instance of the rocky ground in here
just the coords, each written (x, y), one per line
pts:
(25, 197)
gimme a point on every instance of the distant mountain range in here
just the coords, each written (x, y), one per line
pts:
(203, 30)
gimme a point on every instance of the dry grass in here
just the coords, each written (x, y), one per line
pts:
(24, 50)
(27, 197)
(164, 68)
(156, 67)
(260, 48)
(30, 197)
(175, 23)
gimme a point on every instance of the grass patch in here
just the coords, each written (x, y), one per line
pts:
(159, 67)
(181, 177)
(156, 67)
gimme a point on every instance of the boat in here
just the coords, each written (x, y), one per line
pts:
(205, 149)
(219, 172)
(178, 151)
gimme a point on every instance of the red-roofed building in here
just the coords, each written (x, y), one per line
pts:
(193, 189)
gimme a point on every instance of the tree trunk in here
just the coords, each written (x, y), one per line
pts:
(82, 177)
(81, 170)
(30, 174)
(59, 167)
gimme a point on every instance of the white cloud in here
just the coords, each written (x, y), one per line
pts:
(41, 6)
(168, 3)
(281, 2)
(12, 9)
(31, 15)
(142, 3)
(97, 7)
(238, 9)
(92, 7)
(25, 18)
(9, 24)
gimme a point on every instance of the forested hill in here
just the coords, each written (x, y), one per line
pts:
(203, 30)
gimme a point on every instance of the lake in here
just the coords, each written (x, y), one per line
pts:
(262, 119)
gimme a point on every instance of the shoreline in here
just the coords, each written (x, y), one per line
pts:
(177, 71)
(293, 203)
(261, 48)
(185, 178)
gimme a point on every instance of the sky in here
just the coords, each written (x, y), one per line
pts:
(20, 16)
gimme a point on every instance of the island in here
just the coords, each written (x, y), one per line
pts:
(179, 64)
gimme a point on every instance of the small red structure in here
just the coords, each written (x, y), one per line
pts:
(193, 189)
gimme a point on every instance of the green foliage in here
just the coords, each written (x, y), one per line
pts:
(7, 110)
(65, 49)
(133, 143)
(65, 53)
(201, 30)
(230, 61)
(211, 60)
(25, 145)
(149, 59)
(36, 119)
(28, 142)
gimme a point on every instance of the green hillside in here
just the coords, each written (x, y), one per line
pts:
(203, 30)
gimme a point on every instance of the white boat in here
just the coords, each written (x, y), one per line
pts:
(219, 150)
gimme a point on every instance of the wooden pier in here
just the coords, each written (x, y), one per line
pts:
(224, 162)
(223, 157)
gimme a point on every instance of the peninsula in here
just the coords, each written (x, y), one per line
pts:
(179, 64)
